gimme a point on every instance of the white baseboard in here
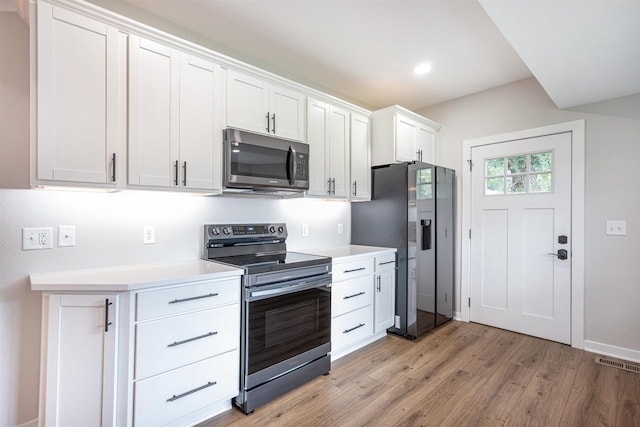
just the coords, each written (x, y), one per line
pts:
(613, 351)
(457, 316)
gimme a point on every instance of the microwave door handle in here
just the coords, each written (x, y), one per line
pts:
(293, 167)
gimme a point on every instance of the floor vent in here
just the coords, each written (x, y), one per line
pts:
(631, 367)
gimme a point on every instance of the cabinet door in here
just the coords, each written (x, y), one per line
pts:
(247, 103)
(81, 360)
(200, 132)
(425, 144)
(338, 152)
(153, 113)
(360, 158)
(318, 140)
(286, 109)
(79, 75)
(384, 299)
(406, 133)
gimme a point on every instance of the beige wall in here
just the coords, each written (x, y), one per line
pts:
(612, 287)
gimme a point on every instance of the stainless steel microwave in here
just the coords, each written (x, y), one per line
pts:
(264, 163)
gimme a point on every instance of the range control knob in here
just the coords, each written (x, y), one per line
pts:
(226, 230)
(215, 231)
(281, 229)
(272, 229)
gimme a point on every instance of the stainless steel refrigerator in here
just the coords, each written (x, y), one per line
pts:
(412, 210)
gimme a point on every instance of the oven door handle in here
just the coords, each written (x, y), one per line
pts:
(255, 295)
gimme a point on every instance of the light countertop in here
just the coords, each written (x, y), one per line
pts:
(349, 252)
(131, 277)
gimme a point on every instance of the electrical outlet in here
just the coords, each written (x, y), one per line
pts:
(148, 235)
(340, 229)
(66, 235)
(616, 228)
(305, 230)
(396, 322)
(37, 238)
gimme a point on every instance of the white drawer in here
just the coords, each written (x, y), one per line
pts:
(350, 328)
(385, 262)
(349, 295)
(350, 269)
(180, 299)
(161, 399)
(172, 342)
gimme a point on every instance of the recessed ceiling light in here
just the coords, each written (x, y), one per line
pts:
(421, 69)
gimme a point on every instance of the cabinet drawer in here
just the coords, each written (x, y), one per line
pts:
(172, 342)
(349, 295)
(165, 302)
(352, 327)
(164, 398)
(349, 269)
(385, 262)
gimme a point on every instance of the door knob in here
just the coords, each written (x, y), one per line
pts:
(562, 254)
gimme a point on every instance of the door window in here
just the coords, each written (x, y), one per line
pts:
(519, 174)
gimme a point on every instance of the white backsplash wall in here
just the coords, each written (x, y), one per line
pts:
(109, 232)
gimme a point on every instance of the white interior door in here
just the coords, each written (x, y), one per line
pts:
(520, 208)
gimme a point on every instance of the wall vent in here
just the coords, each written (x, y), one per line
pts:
(631, 367)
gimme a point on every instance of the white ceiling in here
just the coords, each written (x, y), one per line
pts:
(365, 50)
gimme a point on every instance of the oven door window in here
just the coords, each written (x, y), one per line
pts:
(285, 326)
(259, 161)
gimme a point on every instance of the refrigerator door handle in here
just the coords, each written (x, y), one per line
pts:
(426, 234)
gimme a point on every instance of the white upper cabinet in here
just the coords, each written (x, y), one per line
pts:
(399, 135)
(360, 158)
(259, 106)
(81, 99)
(328, 133)
(174, 134)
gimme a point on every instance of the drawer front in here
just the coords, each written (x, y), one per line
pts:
(172, 342)
(165, 302)
(349, 295)
(161, 399)
(351, 328)
(350, 269)
(385, 262)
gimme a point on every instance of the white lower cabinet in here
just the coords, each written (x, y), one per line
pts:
(169, 398)
(78, 378)
(186, 358)
(362, 301)
(161, 356)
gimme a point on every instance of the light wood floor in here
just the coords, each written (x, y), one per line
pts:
(461, 374)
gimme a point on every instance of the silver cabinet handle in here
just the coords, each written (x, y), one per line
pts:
(176, 171)
(329, 185)
(199, 337)
(267, 117)
(354, 270)
(355, 188)
(175, 301)
(346, 331)
(379, 283)
(387, 262)
(106, 315)
(186, 393)
(113, 166)
(334, 186)
(274, 123)
(184, 174)
(354, 295)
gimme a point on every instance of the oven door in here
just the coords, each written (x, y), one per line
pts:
(287, 326)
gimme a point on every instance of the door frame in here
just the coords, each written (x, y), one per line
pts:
(577, 130)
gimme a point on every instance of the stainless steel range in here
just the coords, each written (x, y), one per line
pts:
(286, 309)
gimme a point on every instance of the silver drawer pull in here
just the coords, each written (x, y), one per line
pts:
(177, 343)
(346, 331)
(388, 262)
(175, 301)
(186, 393)
(355, 269)
(354, 295)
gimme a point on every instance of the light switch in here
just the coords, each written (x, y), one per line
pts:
(617, 228)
